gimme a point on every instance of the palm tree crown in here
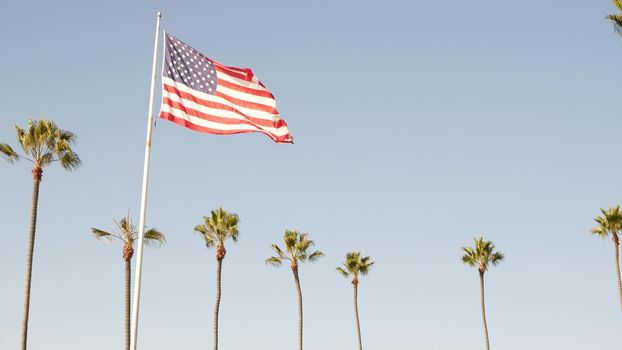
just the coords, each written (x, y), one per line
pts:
(354, 265)
(217, 227)
(296, 246)
(608, 223)
(482, 255)
(616, 19)
(125, 231)
(43, 143)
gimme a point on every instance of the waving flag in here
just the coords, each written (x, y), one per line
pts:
(204, 95)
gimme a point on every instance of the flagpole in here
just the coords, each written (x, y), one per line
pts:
(143, 202)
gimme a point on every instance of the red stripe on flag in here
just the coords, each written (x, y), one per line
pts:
(180, 121)
(247, 90)
(223, 120)
(211, 104)
(245, 74)
(246, 104)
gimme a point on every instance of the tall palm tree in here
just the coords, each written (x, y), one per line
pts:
(43, 144)
(480, 257)
(125, 231)
(354, 266)
(296, 245)
(611, 223)
(215, 229)
(616, 19)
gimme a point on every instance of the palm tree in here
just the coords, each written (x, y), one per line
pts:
(126, 233)
(481, 256)
(611, 223)
(43, 144)
(616, 19)
(215, 229)
(354, 266)
(296, 245)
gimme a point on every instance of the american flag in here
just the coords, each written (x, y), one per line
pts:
(204, 95)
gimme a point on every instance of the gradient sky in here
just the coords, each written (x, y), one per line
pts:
(418, 125)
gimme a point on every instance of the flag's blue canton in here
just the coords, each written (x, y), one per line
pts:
(186, 65)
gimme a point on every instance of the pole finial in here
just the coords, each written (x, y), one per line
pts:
(159, 14)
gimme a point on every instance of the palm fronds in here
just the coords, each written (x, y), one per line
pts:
(218, 226)
(44, 143)
(616, 19)
(610, 222)
(8, 153)
(296, 249)
(481, 255)
(125, 231)
(355, 264)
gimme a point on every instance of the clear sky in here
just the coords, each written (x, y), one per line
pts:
(418, 125)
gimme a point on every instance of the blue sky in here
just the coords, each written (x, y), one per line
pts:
(418, 125)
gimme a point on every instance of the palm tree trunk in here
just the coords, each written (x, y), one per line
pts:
(36, 175)
(217, 306)
(128, 278)
(481, 286)
(356, 314)
(616, 245)
(297, 281)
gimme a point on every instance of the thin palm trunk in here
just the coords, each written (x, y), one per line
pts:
(36, 174)
(297, 281)
(481, 286)
(217, 306)
(128, 278)
(356, 314)
(616, 245)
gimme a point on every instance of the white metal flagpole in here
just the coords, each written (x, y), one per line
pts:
(143, 202)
